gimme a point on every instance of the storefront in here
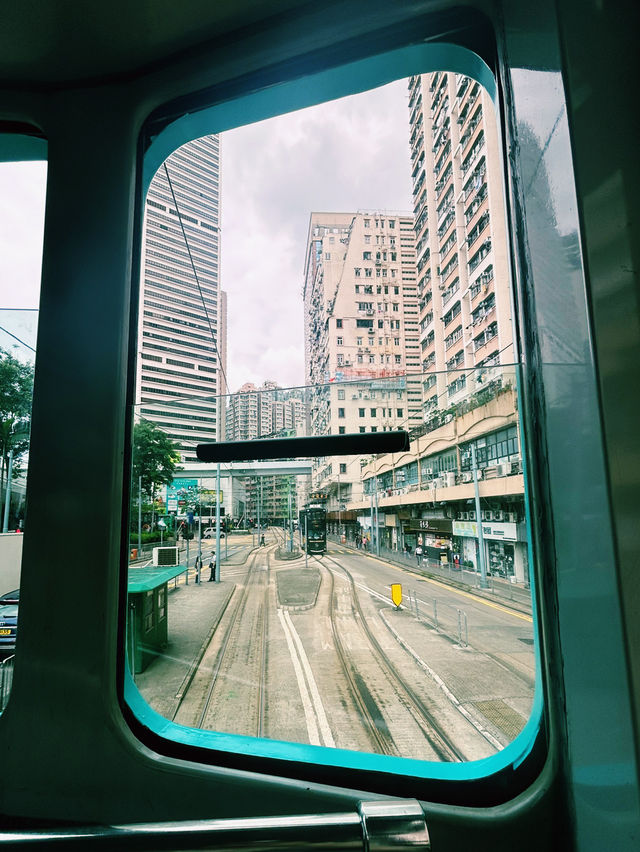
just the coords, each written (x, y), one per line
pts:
(505, 553)
(434, 534)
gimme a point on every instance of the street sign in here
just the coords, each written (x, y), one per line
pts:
(396, 594)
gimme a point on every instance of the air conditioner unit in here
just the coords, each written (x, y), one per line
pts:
(464, 516)
(472, 516)
(165, 556)
(449, 479)
(467, 476)
(487, 516)
(436, 483)
(510, 517)
(428, 471)
(503, 469)
(498, 515)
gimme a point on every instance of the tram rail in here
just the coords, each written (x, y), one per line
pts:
(437, 737)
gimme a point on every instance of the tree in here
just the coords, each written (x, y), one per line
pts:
(155, 457)
(16, 393)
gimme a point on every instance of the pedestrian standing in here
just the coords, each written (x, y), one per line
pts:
(212, 568)
(198, 567)
(419, 552)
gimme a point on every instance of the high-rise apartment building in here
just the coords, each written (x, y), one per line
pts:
(255, 412)
(361, 330)
(269, 410)
(461, 242)
(182, 322)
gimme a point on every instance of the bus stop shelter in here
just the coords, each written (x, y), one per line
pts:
(147, 618)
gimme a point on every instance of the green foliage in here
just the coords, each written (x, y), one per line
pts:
(155, 457)
(16, 392)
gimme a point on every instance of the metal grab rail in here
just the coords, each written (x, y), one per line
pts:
(6, 679)
(377, 826)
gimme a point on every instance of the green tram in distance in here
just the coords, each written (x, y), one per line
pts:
(313, 523)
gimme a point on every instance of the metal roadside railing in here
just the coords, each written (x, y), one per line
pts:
(6, 679)
(446, 618)
(516, 593)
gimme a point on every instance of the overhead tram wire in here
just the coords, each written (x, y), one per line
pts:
(17, 338)
(197, 280)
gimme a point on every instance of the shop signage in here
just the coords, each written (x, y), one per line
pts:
(443, 525)
(497, 531)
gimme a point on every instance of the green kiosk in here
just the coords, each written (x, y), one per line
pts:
(147, 621)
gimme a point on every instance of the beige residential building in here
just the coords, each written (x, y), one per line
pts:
(361, 331)
(462, 262)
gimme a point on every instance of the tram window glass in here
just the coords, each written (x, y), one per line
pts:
(277, 576)
(22, 197)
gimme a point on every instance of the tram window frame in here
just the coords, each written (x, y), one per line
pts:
(524, 757)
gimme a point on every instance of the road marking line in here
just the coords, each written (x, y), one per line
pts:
(309, 715)
(325, 730)
(453, 589)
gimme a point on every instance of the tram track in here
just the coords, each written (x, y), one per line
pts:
(437, 738)
(239, 659)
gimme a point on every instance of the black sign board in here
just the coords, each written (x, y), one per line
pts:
(435, 525)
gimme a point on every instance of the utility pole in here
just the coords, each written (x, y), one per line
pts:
(375, 479)
(217, 571)
(481, 551)
(139, 516)
(259, 490)
(199, 529)
(7, 494)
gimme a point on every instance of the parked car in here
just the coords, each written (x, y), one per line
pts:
(210, 532)
(8, 628)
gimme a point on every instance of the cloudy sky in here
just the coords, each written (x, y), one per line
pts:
(22, 187)
(348, 155)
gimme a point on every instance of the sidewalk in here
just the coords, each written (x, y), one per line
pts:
(193, 610)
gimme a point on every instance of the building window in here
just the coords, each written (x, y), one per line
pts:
(340, 360)
(358, 341)
(341, 430)
(341, 412)
(395, 306)
(399, 412)
(338, 323)
(374, 428)
(327, 255)
(367, 239)
(362, 429)
(341, 394)
(367, 273)
(361, 412)
(373, 412)
(343, 468)
(366, 255)
(367, 223)
(392, 223)
(398, 359)
(357, 271)
(339, 341)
